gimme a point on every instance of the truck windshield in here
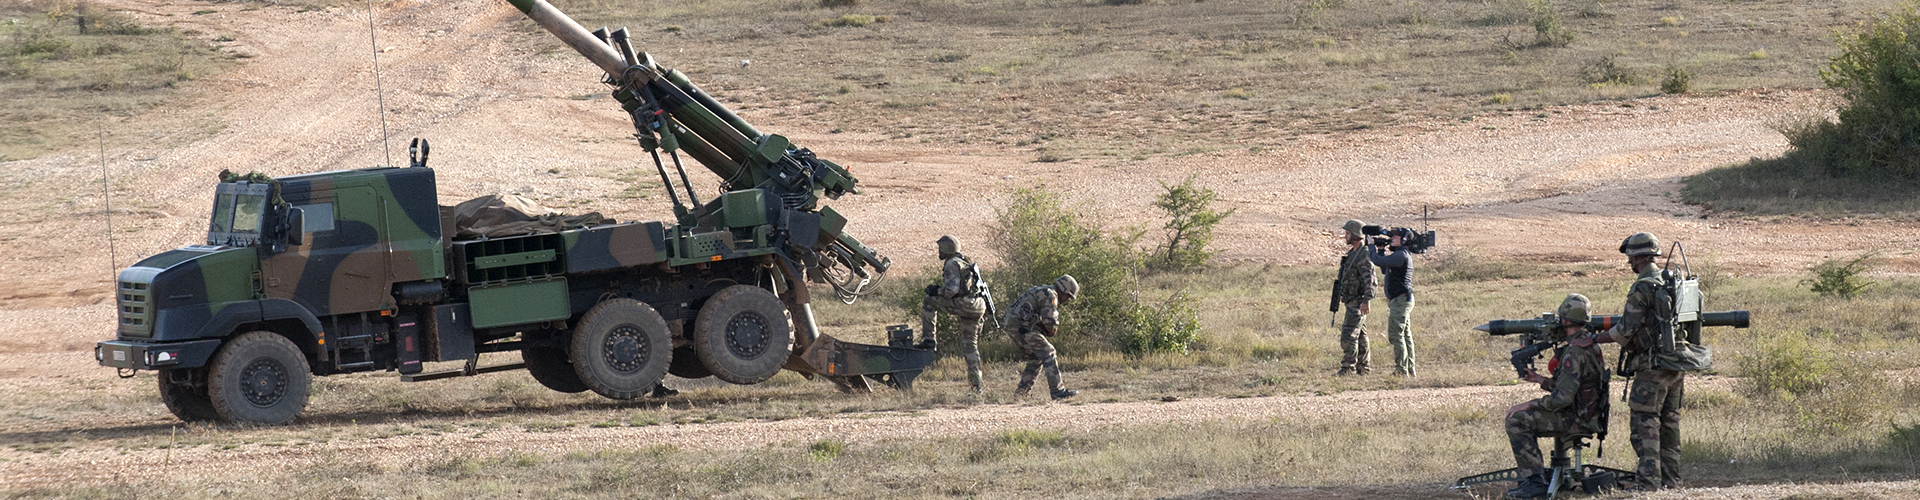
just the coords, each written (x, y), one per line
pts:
(222, 214)
(247, 211)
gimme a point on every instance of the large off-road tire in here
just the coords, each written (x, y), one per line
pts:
(188, 402)
(549, 366)
(259, 378)
(742, 334)
(686, 364)
(621, 349)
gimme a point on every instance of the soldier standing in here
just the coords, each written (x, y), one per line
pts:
(1354, 289)
(1033, 318)
(1576, 403)
(1656, 393)
(961, 293)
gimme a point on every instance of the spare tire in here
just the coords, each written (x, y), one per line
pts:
(742, 334)
(621, 349)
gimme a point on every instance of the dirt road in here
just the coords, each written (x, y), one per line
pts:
(506, 115)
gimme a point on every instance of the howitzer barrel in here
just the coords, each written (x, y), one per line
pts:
(576, 36)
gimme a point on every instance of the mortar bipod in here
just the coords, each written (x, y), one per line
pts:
(1563, 472)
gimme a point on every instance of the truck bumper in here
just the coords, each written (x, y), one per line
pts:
(136, 355)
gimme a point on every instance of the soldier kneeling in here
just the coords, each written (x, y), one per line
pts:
(1576, 403)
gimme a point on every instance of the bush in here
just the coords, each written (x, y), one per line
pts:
(1547, 29)
(1608, 71)
(1842, 278)
(839, 3)
(1879, 130)
(1037, 238)
(854, 20)
(1787, 366)
(1169, 326)
(1678, 80)
(1190, 223)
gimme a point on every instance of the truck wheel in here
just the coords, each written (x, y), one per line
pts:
(259, 378)
(620, 349)
(549, 366)
(188, 402)
(742, 334)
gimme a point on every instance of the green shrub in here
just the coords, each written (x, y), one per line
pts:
(1879, 130)
(1191, 219)
(1787, 366)
(827, 449)
(1547, 28)
(1038, 237)
(1608, 71)
(1678, 80)
(1169, 326)
(1841, 278)
(854, 20)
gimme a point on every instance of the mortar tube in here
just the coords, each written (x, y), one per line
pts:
(680, 79)
(574, 35)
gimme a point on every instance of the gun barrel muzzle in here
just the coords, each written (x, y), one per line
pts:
(1736, 319)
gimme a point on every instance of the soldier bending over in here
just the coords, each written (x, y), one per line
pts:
(1033, 318)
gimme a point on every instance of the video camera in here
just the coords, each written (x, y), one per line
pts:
(1413, 241)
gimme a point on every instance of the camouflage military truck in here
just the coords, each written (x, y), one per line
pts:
(364, 270)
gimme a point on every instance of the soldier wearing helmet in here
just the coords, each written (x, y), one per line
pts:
(962, 294)
(1656, 394)
(1354, 289)
(1034, 317)
(1576, 400)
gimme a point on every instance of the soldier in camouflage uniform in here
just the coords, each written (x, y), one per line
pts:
(1356, 292)
(1034, 317)
(1576, 403)
(1656, 393)
(959, 294)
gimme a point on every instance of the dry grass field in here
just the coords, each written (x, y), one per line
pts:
(1533, 127)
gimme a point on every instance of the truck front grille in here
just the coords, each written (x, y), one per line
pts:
(136, 310)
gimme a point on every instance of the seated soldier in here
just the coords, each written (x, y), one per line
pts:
(1576, 403)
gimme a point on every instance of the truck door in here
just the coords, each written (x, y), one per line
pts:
(343, 268)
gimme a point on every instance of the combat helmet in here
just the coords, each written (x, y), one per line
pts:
(947, 245)
(1067, 286)
(1574, 310)
(1353, 227)
(1640, 244)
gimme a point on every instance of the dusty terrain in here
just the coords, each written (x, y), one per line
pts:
(1559, 185)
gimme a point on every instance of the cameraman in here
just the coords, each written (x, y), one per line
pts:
(1576, 403)
(1394, 265)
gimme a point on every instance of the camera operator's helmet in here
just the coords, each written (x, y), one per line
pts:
(948, 245)
(1640, 244)
(1067, 286)
(1353, 227)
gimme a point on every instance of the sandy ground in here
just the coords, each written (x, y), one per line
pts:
(1560, 185)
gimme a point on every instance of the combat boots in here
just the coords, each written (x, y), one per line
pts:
(1534, 486)
(1064, 393)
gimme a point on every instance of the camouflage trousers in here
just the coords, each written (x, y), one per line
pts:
(1400, 333)
(1353, 341)
(1524, 430)
(1655, 400)
(1040, 356)
(968, 310)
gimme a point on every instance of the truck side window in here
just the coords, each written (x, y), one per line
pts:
(222, 213)
(318, 217)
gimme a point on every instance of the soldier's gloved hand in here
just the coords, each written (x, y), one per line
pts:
(933, 290)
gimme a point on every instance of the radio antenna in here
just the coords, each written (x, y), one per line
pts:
(106, 192)
(379, 94)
